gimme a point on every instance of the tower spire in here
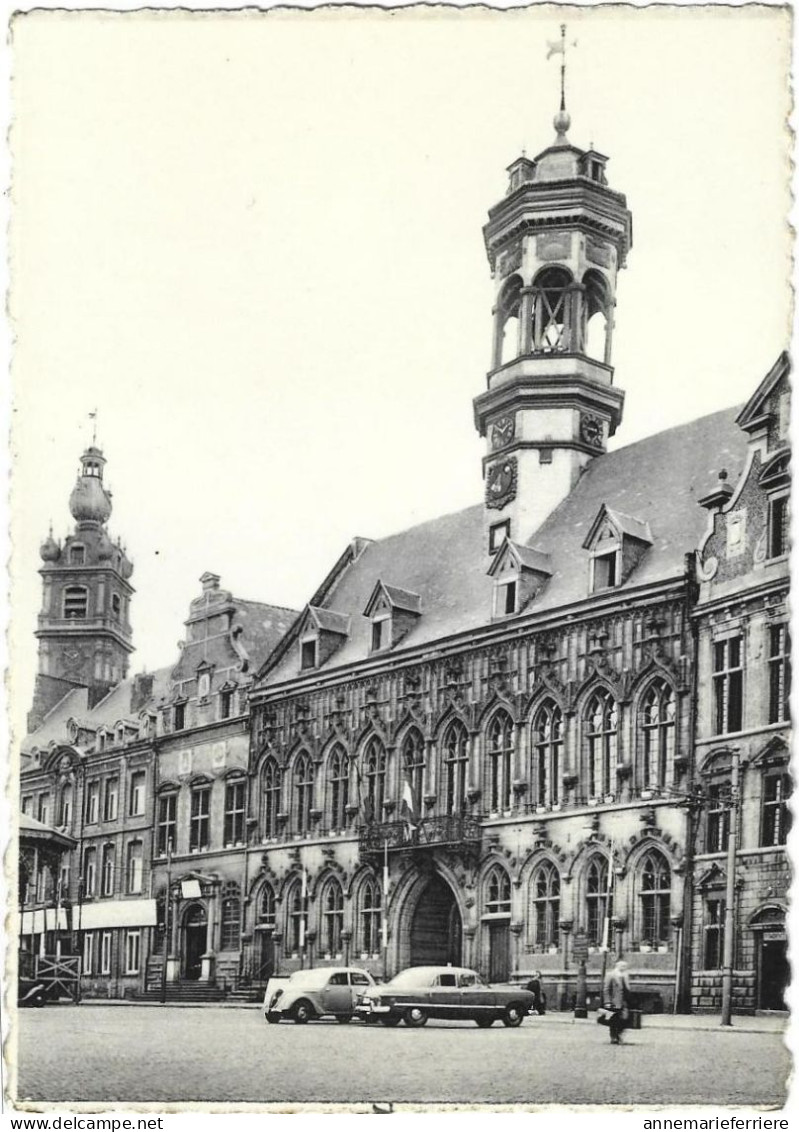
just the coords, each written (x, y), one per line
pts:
(562, 120)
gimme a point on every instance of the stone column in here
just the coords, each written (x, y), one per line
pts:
(526, 320)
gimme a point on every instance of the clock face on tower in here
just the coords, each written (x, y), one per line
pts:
(501, 482)
(73, 658)
(503, 431)
(591, 430)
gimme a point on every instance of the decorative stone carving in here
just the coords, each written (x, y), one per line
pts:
(510, 260)
(601, 254)
(552, 246)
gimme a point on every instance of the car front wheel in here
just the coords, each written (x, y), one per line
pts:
(513, 1016)
(302, 1011)
(415, 1016)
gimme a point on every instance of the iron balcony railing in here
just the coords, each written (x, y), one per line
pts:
(460, 830)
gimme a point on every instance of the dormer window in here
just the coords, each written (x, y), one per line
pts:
(308, 653)
(617, 544)
(606, 570)
(77, 555)
(393, 613)
(321, 633)
(519, 573)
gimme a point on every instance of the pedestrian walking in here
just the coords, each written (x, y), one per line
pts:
(616, 1000)
(540, 1000)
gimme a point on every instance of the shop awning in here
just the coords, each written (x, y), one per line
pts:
(114, 914)
(36, 921)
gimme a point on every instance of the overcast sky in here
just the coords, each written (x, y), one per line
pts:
(253, 243)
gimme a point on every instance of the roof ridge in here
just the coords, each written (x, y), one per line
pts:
(672, 428)
(265, 604)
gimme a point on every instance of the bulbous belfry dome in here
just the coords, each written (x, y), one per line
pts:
(89, 501)
(50, 550)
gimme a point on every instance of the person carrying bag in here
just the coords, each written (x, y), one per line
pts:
(615, 1010)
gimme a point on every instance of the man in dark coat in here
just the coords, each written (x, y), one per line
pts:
(616, 998)
(534, 986)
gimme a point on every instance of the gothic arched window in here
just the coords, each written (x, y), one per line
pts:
(413, 764)
(601, 728)
(547, 753)
(455, 762)
(270, 797)
(658, 710)
(500, 761)
(303, 791)
(266, 907)
(497, 891)
(596, 899)
(296, 925)
(338, 775)
(371, 917)
(546, 905)
(332, 918)
(655, 897)
(374, 772)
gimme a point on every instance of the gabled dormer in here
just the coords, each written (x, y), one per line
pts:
(519, 573)
(767, 413)
(616, 543)
(321, 633)
(393, 612)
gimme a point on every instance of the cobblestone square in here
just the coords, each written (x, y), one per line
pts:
(128, 1054)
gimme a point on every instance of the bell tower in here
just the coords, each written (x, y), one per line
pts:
(84, 628)
(555, 245)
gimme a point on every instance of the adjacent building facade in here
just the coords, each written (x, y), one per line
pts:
(505, 738)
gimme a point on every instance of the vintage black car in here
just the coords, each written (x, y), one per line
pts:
(31, 992)
(419, 993)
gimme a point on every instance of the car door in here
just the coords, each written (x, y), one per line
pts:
(475, 994)
(446, 995)
(337, 994)
(358, 984)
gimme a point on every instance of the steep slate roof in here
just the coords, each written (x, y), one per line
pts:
(264, 626)
(658, 480)
(74, 704)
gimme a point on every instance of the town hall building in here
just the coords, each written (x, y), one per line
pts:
(517, 738)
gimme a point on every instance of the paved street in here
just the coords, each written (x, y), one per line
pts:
(137, 1053)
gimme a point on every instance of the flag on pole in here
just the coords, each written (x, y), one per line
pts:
(608, 901)
(555, 47)
(303, 907)
(409, 806)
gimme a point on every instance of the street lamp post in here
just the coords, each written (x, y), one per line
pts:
(729, 910)
(167, 903)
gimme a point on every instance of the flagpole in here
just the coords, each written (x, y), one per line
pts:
(384, 917)
(563, 67)
(303, 915)
(606, 925)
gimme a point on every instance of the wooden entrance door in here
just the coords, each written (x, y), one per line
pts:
(195, 941)
(498, 951)
(436, 927)
(775, 973)
(266, 958)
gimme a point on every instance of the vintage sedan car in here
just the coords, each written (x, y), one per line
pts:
(317, 992)
(419, 993)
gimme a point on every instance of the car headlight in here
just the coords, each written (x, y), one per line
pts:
(273, 1002)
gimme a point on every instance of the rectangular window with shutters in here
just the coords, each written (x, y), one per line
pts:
(137, 793)
(132, 952)
(776, 818)
(89, 943)
(105, 953)
(779, 674)
(108, 870)
(234, 812)
(728, 679)
(134, 867)
(111, 800)
(778, 526)
(92, 803)
(89, 872)
(200, 827)
(714, 934)
(718, 817)
(167, 824)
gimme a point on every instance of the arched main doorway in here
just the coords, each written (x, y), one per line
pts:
(195, 940)
(436, 927)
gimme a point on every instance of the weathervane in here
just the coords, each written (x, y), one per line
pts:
(558, 47)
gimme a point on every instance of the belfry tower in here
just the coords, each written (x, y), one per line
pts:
(555, 245)
(84, 627)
